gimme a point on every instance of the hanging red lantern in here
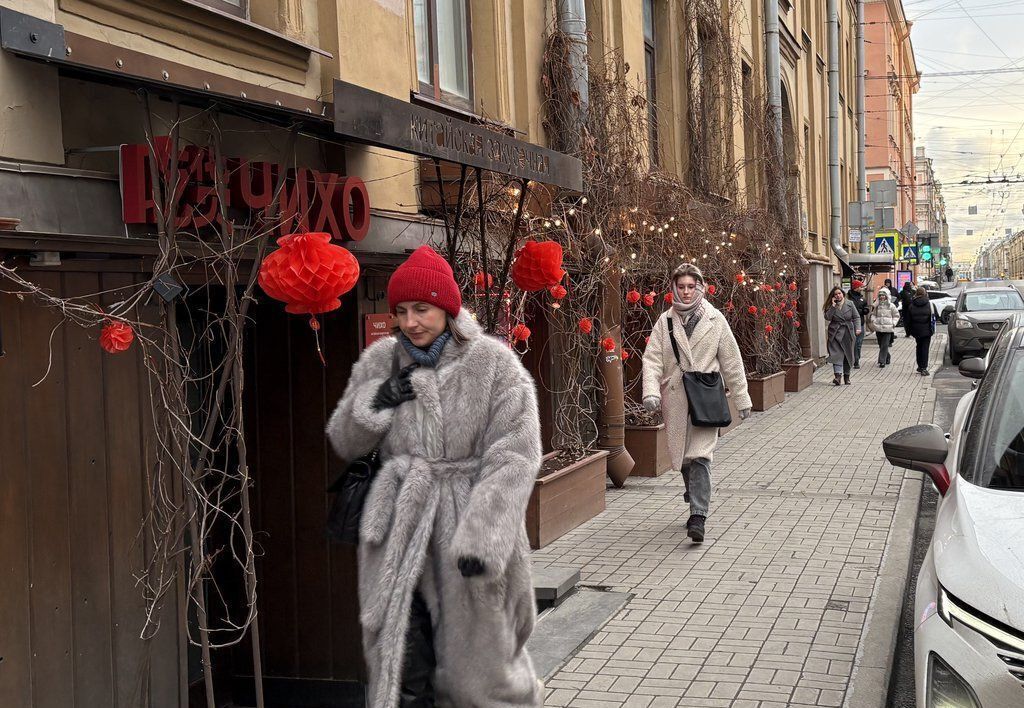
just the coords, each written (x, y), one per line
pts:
(792, 287)
(778, 286)
(711, 290)
(796, 323)
(521, 332)
(789, 314)
(740, 277)
(766, 288)
(116, 337)
(668, 298)
(633, 297)
(777, 309)
(586, 325)
(608, 343)
(729, 306)
(558, 292)
(308, 273)
(478, 281)
(649, 300)
(538, 265)
(764, 311)
(752, 310)
(768, 329)
(625, 354)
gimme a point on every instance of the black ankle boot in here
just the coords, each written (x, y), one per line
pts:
(695, 528)
(846, 379)
(837, 381)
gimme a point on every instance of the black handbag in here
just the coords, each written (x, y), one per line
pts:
(705, 393)
(350, 490)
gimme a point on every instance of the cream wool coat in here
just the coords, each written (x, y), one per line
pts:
(459, 466)
(712, 347)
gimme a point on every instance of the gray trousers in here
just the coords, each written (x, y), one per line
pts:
(697, 478)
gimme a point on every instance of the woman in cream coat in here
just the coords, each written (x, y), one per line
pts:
(705, 344)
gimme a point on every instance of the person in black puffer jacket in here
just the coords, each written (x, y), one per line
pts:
(920, 323)
(906, 296)
(856, 296)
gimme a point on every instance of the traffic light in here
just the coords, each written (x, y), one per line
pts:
(943, 261)
(926, 252)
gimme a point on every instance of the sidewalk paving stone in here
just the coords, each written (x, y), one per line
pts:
(770, 609)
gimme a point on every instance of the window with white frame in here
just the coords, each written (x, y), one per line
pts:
(444, 50)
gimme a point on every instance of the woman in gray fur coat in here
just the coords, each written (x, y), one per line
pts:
(843, 329)
(444, 567)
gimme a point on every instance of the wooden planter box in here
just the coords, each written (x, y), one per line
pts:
(648, 444)
(799, 375)
(734, 414)
(564, 499)
(767, 392)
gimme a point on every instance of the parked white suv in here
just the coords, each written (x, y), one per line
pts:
(969, 608)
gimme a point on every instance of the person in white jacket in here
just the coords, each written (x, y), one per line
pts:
(705, 343)
(883, 318)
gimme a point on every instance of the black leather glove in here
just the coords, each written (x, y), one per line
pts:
(396, 390)
(470, 566)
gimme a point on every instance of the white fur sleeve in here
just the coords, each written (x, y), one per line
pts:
(730, 361)
(495, 514)
(355, 427)
(654, 360)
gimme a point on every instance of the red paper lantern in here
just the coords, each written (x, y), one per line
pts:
(586, 325)
(649, 300)
(608, 343)
(768, 329)
(521, 332)
(633, 297)
(778, 286)
(792, 287)
(711, 290)
(740, 277)
(668, 298)
(308, 273)
(752, 310)
(777, 310)
(478, 281)
(538, 265)
(796, 323)
(729, 306)
(766, 288)
(116, 337)
(558, 292)
(764, 311)
(789, 314)
(625, 354)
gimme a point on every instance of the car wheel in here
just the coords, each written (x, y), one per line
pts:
(954, 357)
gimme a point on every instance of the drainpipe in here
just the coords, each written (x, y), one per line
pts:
(572, 20)
(835, 191)
(774, 71)
(862, 129)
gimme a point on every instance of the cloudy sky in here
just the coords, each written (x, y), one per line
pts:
(972, 125)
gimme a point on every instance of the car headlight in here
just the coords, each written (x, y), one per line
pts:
(946, 689)
(962, 324)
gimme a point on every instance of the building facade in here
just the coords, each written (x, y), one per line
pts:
(930, 209)
(891, 80)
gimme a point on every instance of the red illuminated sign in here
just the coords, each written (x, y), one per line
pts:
(309, 201)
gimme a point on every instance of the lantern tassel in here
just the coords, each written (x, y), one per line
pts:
(314, 325)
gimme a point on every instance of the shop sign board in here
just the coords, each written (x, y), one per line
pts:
(309, 200)
(377, 119)
(377, 327)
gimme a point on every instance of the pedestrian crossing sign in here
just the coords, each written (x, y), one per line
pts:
(909, 253)
(885, 244)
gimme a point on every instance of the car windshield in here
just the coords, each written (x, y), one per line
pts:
(985, 301)
(999, 438)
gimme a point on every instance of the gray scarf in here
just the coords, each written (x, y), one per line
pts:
(426, 357)
(689, 314)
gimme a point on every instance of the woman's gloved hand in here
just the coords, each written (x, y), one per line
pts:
(652, 404)
(744, 414)
(470, 566)
(395, 390)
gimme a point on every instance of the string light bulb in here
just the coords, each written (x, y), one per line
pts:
(572, 212)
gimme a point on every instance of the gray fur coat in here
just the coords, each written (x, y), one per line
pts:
(843, 323)
(459, 465)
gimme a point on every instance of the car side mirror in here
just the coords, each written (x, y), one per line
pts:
(948, 310)
(973, 368)
(923, 448)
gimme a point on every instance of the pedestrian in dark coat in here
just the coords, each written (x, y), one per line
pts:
(444, 561)
(856, 296)
(843, 328)
(920, 320)
(893, 292)
(906, 295)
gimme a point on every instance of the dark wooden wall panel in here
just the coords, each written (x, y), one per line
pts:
(15, 496)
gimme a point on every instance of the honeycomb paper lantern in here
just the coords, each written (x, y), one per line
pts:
(538, 265)
(308, 273)
(116, 337)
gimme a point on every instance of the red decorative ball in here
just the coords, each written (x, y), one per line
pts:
(740, 277)
(768, 328)
(538, 265)
(586, 325)
(633, 297)
(649, 300)
(792, 287)
(778, 286)
(478, 281)
(558, 292)
(766, 288)
(308, 273)
(789, 314)
(796, 323)
(711, 290)
(625, 354)
(608, 343)
(521, 332)
(764, 311)
(729, 306)
(752, 310)
(668, 298)
(116, 337)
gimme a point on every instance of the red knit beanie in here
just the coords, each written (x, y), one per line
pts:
(425, 277)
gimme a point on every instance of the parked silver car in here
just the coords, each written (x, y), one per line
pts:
(976, 318)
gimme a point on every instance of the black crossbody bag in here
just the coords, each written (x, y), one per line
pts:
(705, 393)
(350, 490)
